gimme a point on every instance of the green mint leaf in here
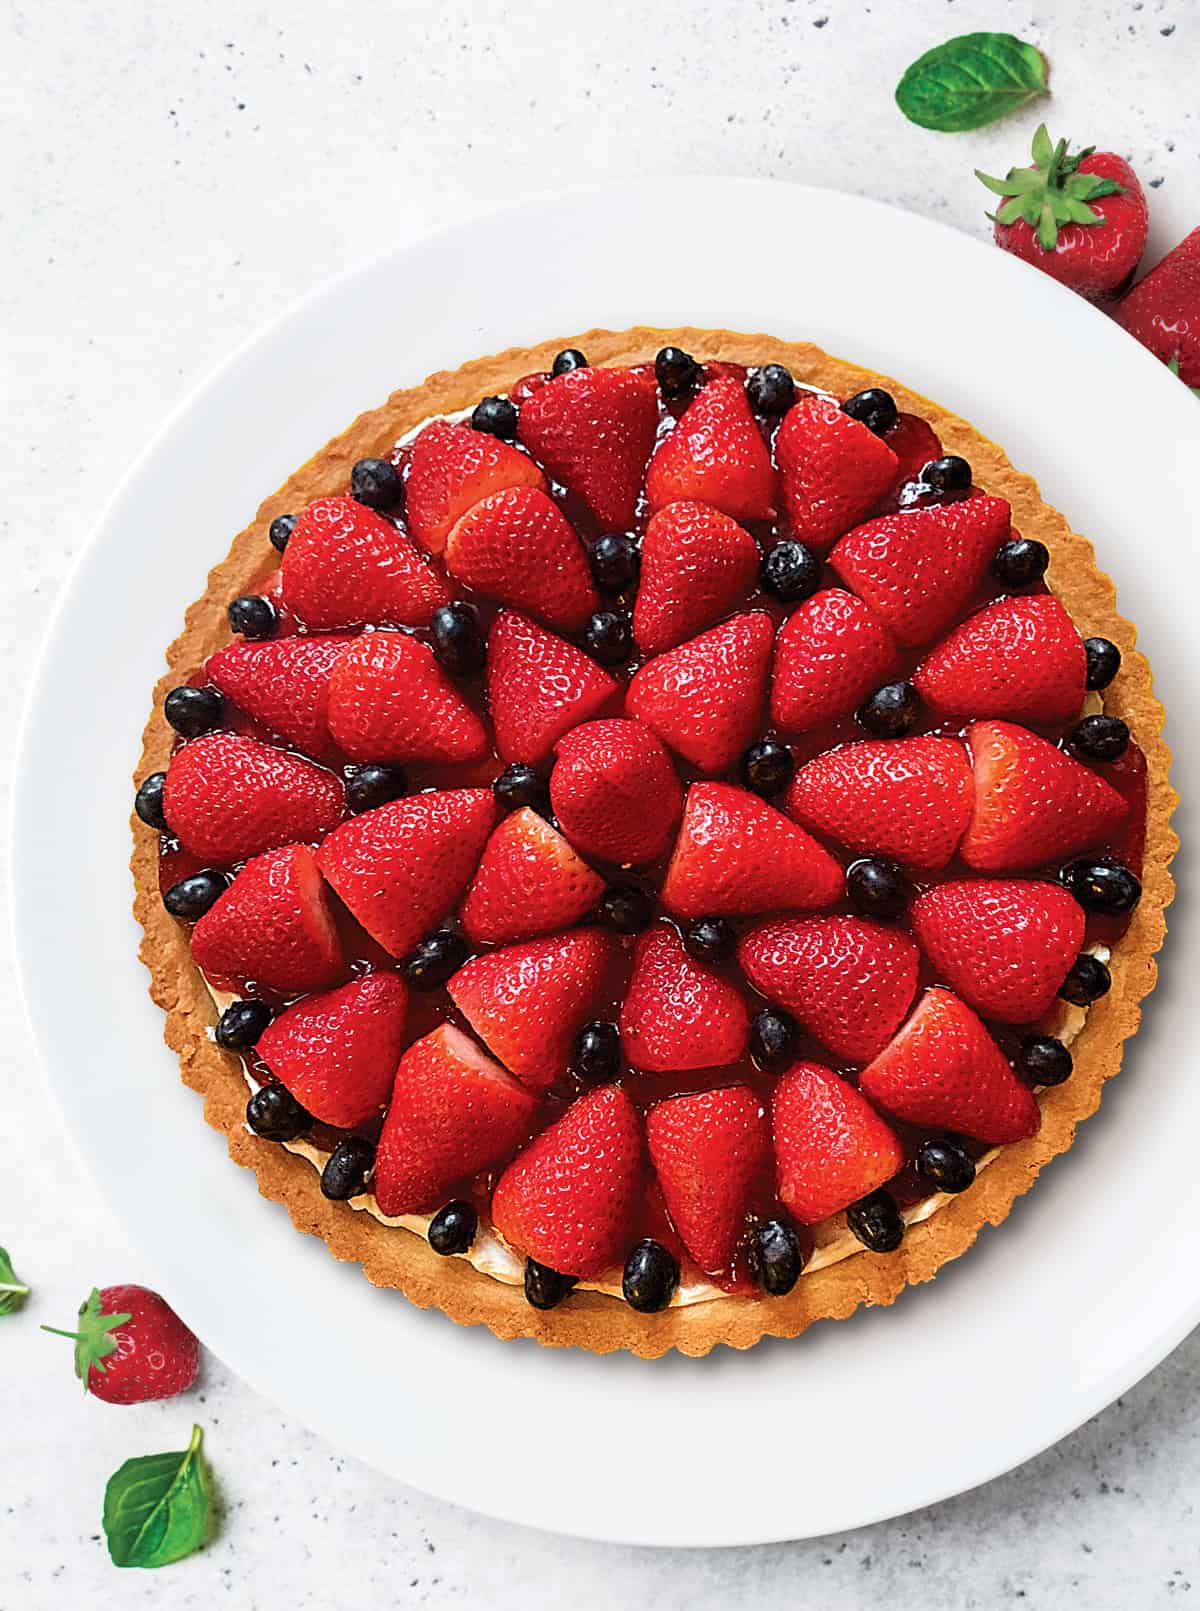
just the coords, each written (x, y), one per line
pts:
(94, 1340)
(156, 1507)
(972, 80)
(13, 1291)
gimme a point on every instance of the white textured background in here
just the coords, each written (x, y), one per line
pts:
(172, 176)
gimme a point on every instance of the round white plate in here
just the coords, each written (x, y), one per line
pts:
(1093, 1278)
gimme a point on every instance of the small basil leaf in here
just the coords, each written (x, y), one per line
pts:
(156, 1507)
(13, 1290)
(970, 81)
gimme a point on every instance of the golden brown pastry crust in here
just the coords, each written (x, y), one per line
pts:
(398, 1258)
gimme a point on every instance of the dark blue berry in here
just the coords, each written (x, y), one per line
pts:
(1087, 981)
(522, 785)
(1103, 661)
(545, 1288)
(709, 939)
(626, 908)
(874, 408)
(435, 959)
(273, 1113)
(192, 711)
(615, 560)
(950, 474)
(776, 1256)
(148, 801)
(608, 638)
(597, 1054)
(495, 416)
(767, 767)
(1102, 886)
(891, 711)
(650, 1277)
(190, 898)
(677, 371)
(773, 1035)
(240, 1025)
(376, 483)
(457, 639)
(346, 1169)
(452, 1229)
(790, 571)
(253, 616)
(374, 785)
(1101, 738)
(280, 529)
(771, 390)
(1021, 560)
(569, 358)
(876, 1222)
(945, 1164)
(1043, 1060)
(876, 887)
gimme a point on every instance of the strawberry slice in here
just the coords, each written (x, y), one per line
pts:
(1033, 803)
(346, 566)
(915, 444)
(831, 1147)
(571, 1199)
(615, 792)
(451, 468)
(390, 701)
(697, 565)
(528, 1002)
(715, 454)
(593, 429)
(529, 882)
(337, 1052)
(1020, 658)
(538, 686)
(1004, 945)
(849, 981)
(737, 855)
(705, 698)
(284, 685)
(403, 866)
(833, 470)
(272, 926)
(454, 1111)
(904, 797)
(677, 1013)
(519, 547)
(918, 569)
(830, 654)
(944, 1071)
(711, 1152)
(227, 797)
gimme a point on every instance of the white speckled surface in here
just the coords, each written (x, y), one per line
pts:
(174, 177)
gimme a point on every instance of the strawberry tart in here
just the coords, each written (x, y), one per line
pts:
(653, 840)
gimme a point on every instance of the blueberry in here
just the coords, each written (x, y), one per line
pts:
(240, 1025)
(1087, 981)
(771, 390)
(776, 1257)
(772, 1038)
(597, 1055)
(545, 1288)
(1021, 560)
(877, 888)
(374, 785)
(148, 801)
(495, 416)
(375, 482)
(950, 474)
(626, 908)
(190, 898)
(457, 639)
(253, 616)
(522, 785)
(1043, 1060)
(192, 711)
(709, 939)
(607, 638)
(891, 711)
(346, 1169)
(1103, 661)
(280, 529)
(273, 1113)
(767, 767)
(676, 371)
(1102, 886)
(945, 1164)
(650, 1277)
(615, 560)
(569, 358)
(1100, 738)
(790, 571)
(874, 408)
(452, 1229)
(437, 957)
(876, 1221)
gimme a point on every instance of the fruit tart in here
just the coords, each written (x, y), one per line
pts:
(653, 840)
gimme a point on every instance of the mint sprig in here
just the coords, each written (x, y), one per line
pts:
(13, 1291)
(94, 1340)
(156, 1507)
(971, 80)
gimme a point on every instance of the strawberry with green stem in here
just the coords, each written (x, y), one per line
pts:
(131, 1346)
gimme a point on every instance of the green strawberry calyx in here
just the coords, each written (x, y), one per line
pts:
(1051, 193)
(94, 1340)
(1173, 366)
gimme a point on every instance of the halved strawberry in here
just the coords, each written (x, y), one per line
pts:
(943, 1070)
(390, 701)
(1033, 803)
(737, 855)
(831, 1147)
(849, 981)
(705, 698)
(519, 547)
(833, 470)
(593, 429)
(697, 565)
(1005, 944)
(679, 1014)
(227, 797)
(715, 454)
(571, 1199)
(528, 1002)
(918, 569)
(337, 1052)
(403, 866)
(538, 686)
(904, 797)
(1020, 658)
(345, 566)
(711, 1151)
(271, 927)
(453, 1112)
(529, 882)
(451, 468)
(831, 652)
(284, 684)
(615, 792)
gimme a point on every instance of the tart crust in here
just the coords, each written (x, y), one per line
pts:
(595, 1321)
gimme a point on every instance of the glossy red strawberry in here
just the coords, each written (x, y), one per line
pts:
(131, 1346)
(831, 652)
(345, 565)
(705, 698)
(711, 1151)
(615, 791)
(519, 547)
(904, 797)
(593, 429)
(402, 867)
(1020, 658)
(697, 565)
(228, 797)
(831, 1147)
(915, 444)
(528, 1002)
(284, 685)
(737, 855)
(336, 1052)
(677, 1013)
(529, 882)
(390, 702)
(538, 686)
(1163, 310)
(918, 569)
(715, 455)
(571, 1199)
(945, 1072)
(1033, 803)
(450, 469)
(453, 1112)
(848, 981)
(272, 926)
(833, 470)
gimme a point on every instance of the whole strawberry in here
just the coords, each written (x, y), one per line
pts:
(1163, 310)
(131, 1346)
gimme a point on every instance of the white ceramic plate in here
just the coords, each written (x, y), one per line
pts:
(1093, 1278)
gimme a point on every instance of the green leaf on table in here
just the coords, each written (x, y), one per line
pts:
(13, 1291)
(156, 1507)
(970, 81)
